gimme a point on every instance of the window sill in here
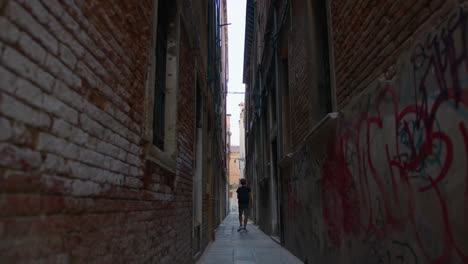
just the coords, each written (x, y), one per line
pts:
(163, 159)
(324, 123)
(325, 126)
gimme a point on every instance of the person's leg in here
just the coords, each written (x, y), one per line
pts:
(246, 214)
(240, 217)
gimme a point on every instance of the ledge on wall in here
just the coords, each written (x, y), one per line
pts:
(320, 134)
(163, 159)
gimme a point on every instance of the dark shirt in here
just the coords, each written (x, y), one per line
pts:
(243, 195)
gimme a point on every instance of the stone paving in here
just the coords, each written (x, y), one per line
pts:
(244, 247)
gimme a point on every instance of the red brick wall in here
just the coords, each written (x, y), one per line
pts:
(308, 75)
(363, 188)
(370, 35)
(74, 184)
(185, 149)
(299, 74)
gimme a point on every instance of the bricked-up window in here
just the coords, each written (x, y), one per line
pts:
(162, 85)
(310, 65)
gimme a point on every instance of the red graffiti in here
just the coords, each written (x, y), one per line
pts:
(366, 201)
(292, 202)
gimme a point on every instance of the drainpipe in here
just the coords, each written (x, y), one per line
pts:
(279, 121)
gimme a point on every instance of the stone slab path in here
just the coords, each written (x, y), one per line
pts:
(244, 247)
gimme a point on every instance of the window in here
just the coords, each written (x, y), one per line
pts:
(160, 75)
(197, 188)
(162, 83)
(322, 50)
(315, 14)
(316, 63)
(284, 92)
(199, 105)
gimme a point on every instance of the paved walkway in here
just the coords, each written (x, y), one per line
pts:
(244, 247)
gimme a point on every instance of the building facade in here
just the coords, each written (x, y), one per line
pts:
(355, 126)
(242, 140)
(234, 177)
(222, 69)
(112, 130)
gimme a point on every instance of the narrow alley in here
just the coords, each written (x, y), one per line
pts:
(244, 247)
(137, 131)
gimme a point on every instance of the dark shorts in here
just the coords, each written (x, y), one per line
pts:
(244, 209)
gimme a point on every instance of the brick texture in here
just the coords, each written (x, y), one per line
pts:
(352, 189)
(74, 182)
(369, 36)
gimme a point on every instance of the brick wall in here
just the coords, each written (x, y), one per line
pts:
(369, 37)
(299, 76)
(386, 182)
(74, 183)
(185, 146)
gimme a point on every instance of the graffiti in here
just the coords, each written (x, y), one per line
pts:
(304, 177)
(399, 166)
(293, 203)
(397, 253)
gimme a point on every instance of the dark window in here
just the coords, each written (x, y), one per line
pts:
(273, 106)
(160, 75)
(199, 105)
(322, 49)
(209, 124)
(285, 115)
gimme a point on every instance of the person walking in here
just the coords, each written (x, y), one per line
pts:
(244, 199)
